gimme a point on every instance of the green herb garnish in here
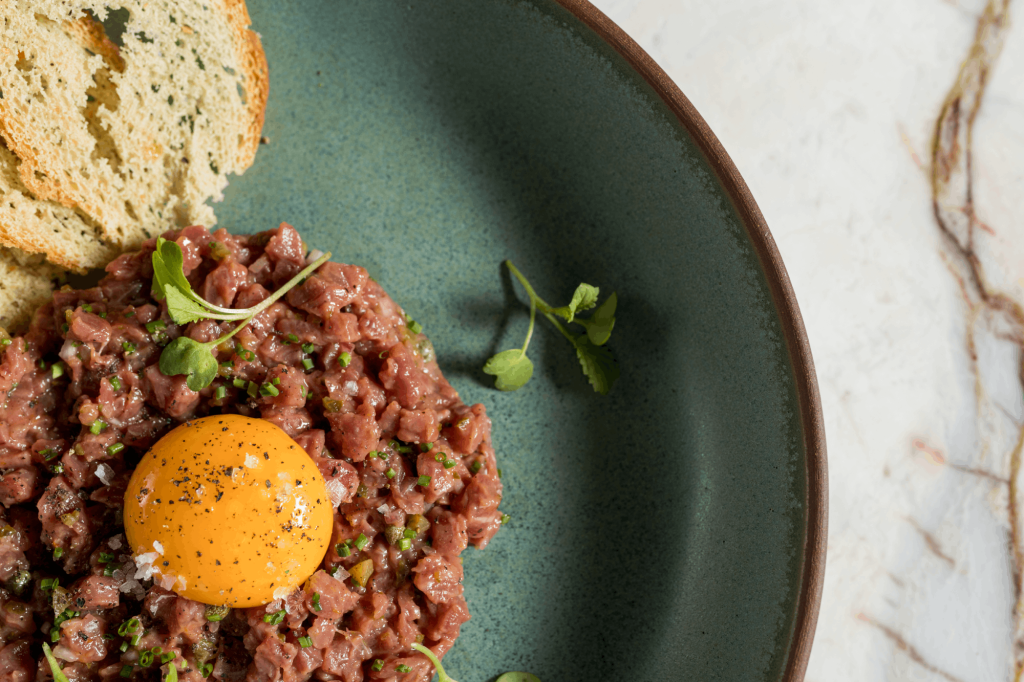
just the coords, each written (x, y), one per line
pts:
(275, 618)
(188, 356)
(512, 369)
(442, 676)
(58, 674)
(518, 677)
(172, 674)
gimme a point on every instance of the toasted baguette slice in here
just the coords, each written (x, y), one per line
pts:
(25, 284)
(68, 238)
(134, 139)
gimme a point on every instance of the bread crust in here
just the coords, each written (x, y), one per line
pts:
(119, 195)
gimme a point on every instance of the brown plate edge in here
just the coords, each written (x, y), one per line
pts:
(789, 312)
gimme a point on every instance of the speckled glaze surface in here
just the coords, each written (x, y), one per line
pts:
(657, 533)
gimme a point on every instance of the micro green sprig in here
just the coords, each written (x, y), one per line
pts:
(188, 356)
(442, 676)
(512, 369)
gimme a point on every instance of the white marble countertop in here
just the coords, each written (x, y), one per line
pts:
(908, 262)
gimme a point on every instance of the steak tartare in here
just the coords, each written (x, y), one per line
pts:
(409, 468)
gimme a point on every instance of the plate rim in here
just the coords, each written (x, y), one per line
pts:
(816, 490)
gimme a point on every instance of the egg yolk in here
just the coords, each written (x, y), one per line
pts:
(228, 510)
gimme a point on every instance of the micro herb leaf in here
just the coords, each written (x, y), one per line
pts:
(584, 298)
(599, 325)
(168, 269)
(58, 674)
(442, 676)
(518, 677)
(188, 356)
(512, 369)
(597, 363)
(183, 309)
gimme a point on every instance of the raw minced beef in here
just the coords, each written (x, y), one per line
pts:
(359, 390)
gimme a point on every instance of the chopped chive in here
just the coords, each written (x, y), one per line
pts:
(123, 647)
(227, 364)
(96, 428)
(276, 381)
(41, 364)
(49, 454)
(390, 473)
(449, 464)
(64, 328)
(220, 393)
(274, 618)
(146, 659)
(128, 347)
(404, 544)
(135, 638)
(126, 671)
(58, 552)
(315, 601)
(395, 445)
(269, 390)
(129, 627)
(439, 457)
(55, 633)
(409, 533)
(426, 447)
(206, 669)
(308, 348)
(103, 315)
(476, 466)
(238, 383)
(167, 657)
(307, 364)
(110, 568)
(130, 313)
(57, 468)
(499, 473)
(505, 518)
(414, 326)
(155, 326)
(115, 448)
(378, 665)
(342, 550)
(115, 383)
(86, 307)
(292, 338)
(373, 455)
(402, 668)
(305, 642)
(424, 481)
(344, 359)
(361, 541)
(252, 389)
(106, 557)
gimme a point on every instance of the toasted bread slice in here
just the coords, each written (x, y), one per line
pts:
(68, 237)
(25, 284)
(133, 139)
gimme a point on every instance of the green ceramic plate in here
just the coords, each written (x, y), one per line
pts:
(672, 530)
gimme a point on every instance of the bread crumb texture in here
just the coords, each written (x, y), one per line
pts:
(107, 140)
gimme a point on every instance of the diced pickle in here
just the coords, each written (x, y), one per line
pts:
(418, 523)
(203, 650)
(219, 251)
(19, 582)
(332, 405)
(216, 613)
(361, 572)
(393, 534)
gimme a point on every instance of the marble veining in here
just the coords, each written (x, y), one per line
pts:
(885, 144)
